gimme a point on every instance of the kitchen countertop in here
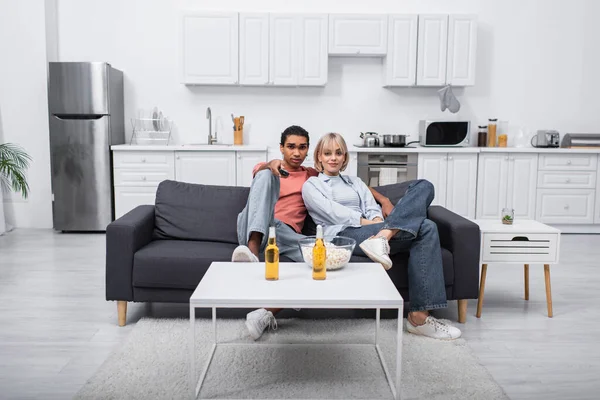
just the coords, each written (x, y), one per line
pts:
(187, 147)
(355, 149)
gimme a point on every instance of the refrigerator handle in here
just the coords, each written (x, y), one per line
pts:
(65, 117)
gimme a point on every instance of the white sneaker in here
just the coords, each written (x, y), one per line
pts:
(435, 329)
(258, 320)
(377, 249)
(243, 254)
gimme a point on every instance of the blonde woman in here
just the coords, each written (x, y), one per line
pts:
(345, 206)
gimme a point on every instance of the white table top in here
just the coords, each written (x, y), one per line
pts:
(518, 226)
(357, 285)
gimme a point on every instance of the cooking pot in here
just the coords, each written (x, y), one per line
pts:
(370, 139)
(394, 140)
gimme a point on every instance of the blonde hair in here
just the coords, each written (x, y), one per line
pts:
(325, 142)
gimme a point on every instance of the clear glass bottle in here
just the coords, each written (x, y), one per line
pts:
(272, 257)
(319, 256)
(492, 132)
(482, 136)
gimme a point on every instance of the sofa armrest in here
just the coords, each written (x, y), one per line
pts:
(462, 238)
(124, 237)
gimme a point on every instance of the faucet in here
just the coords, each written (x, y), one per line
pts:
(211, 139)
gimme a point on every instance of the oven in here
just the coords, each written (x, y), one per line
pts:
(378, 169)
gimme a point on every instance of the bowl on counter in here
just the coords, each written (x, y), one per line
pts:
(339, 251)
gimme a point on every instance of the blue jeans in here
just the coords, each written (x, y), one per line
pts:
(259, 215)
(419, 236)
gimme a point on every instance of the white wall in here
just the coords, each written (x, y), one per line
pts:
(531, 55)
(537, 67)
(24, 105)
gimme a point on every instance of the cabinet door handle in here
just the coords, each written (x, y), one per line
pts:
(568, 180)
(567, 207)
(568, 162)
(143, 160)
(143, 178)
(357, 51)
(506, 158)
(450, 158)
(178, 157)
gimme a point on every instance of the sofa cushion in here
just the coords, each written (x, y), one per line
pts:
(399, 271)
(198, 212)
(395, 191)
(178, 264)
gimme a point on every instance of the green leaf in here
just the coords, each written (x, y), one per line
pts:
(14, 162)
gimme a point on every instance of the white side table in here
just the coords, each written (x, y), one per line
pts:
(524, 242)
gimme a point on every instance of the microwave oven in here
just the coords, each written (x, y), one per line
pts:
(444, 133)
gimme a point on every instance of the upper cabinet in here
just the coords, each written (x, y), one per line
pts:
(462, 45)
(254, 49)
(401, 61)
(260, 49)
(283, 49)
(432, 50)
(356, 34)
(312, 47)
(209, 48)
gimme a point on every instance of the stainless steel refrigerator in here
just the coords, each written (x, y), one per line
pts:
(85, 101)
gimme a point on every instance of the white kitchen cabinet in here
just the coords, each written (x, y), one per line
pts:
(283, 49)
(209, 48)
(352, 167)
(462, 48)
(560, 206)
(400, 64)
(128, 198)
(208, 168)
(313, 55)
(358, 34)
(254, 49)
(506, 180)
(432, 50)
(461, 189)
(597, 208)
(433, 167)
(454, 177)
(246, 160)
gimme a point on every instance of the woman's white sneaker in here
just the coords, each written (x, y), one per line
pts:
(435, 329)
(377, 249)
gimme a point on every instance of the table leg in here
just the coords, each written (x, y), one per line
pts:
(193, 351)
(526, 273)
(481, 289)
(377, 327)
(399, 352)
(548, 289)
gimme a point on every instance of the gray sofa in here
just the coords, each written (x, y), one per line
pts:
(160, 253)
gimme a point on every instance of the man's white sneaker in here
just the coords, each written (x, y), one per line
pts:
(243, 254)
(258, 320)
(435, 329)
(377, 249)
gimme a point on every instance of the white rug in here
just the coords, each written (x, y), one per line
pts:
(153, 363)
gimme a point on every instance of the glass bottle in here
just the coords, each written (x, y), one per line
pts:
(492, 132)
(319, 256)
(272, 257)
(482, 136)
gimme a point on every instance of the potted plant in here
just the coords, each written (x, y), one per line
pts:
(14, 162)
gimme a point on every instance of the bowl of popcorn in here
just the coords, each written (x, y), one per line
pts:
(338, 250)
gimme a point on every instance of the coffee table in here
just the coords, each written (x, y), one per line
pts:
(524, 242)
(243, 285)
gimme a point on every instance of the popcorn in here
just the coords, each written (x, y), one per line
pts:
(337, 257)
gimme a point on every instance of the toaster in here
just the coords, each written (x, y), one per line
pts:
(546, 138)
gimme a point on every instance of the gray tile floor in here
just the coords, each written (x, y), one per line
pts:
(56, 328)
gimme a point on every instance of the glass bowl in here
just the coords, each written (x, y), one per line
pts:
(339, 251)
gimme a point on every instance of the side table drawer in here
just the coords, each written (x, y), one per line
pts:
(522, 248)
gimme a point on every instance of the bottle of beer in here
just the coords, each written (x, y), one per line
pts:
(272, 257)
(319, 256)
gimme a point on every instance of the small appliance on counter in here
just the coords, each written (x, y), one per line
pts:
(546, 138)
(444, 133)
(581, 141)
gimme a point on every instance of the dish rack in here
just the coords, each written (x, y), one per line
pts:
(151, 131)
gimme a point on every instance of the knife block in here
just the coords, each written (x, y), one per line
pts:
(238, 137)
